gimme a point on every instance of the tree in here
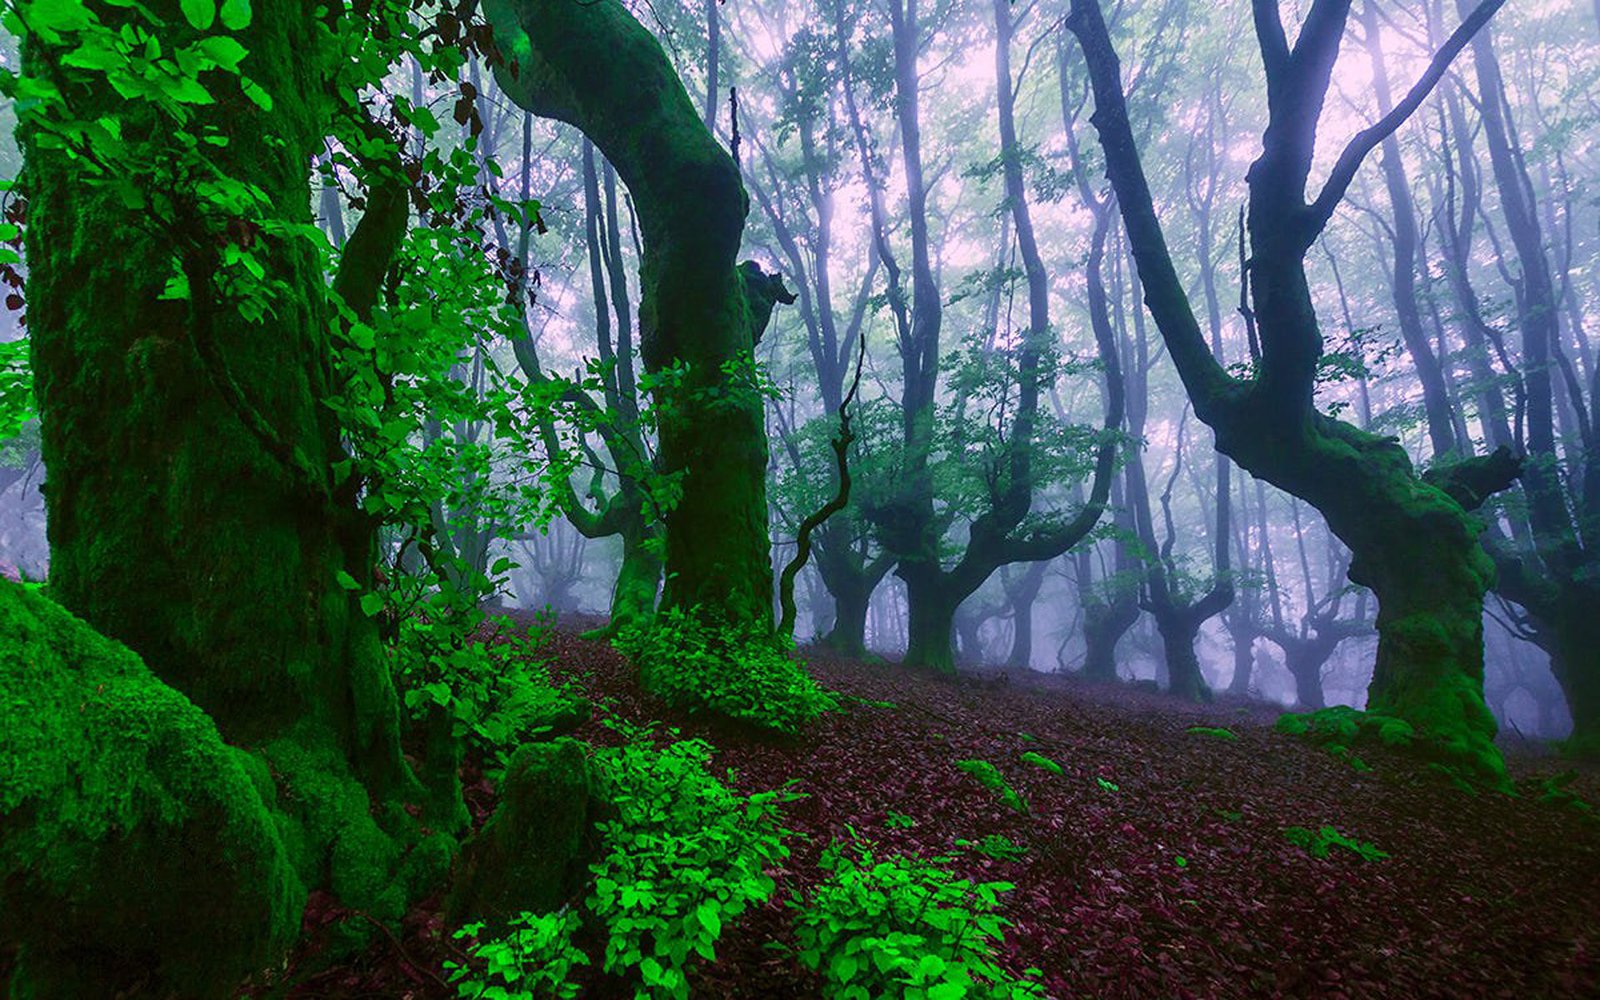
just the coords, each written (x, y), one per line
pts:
(700, 315)
(1429, 668)
(197, 512)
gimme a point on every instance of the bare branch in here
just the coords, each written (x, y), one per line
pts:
(1365, 141)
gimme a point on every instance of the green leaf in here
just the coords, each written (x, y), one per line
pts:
(235, 14)
(710, 919)
(371, 604)
(257, 94)
(844, 967)
(199, 13)
(223, 51)
(346, 581)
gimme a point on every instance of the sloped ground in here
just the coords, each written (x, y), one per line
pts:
(1483, 896)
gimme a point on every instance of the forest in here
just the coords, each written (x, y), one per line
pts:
(841, 499)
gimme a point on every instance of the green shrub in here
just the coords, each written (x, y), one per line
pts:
(739, 673)
(1319, 842)
(685, 857)
(990, 777)
(905, 928)
(1213, 731)
(898, 821)
(535, 961)
(1042, 762)
(495, 695)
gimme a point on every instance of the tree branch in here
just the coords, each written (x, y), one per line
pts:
(1365, 141)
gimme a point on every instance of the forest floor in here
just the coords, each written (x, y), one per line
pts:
(1168, 877)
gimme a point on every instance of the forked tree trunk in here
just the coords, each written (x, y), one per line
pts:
(1414, 542)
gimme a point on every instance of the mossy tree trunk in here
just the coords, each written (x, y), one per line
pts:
(173, 526)
(1414, 543)
(193, 509)
(596, 68)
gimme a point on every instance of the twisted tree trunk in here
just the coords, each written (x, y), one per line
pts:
(596, 68)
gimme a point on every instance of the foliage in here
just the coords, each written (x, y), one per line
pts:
(1214, 731)
(977, 430)
(496, 694)
(989, 776)
(1318, 843)
(997, 846)
(535, 961)
(736, 671)
(1042, 762)
(903, 927)
(1554, 790)
(684, 858)
(898, 821)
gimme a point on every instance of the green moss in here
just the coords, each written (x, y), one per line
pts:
(1343, 727)
(342, 845)
(1213, 731)
(128, 830)
(530, 856)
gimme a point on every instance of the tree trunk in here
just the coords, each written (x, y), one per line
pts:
(851, 598)
(1179, 629)
(191, 498)
(697, 308)
(1243, 657)
(930, 619)
(1104, 625)
(1414, 544)
(1023, 593)
(633, 600)
(1307, 674)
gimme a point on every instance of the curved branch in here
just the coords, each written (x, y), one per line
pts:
(1365, 141)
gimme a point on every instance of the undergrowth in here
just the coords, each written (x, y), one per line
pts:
(989, 776)
(904, 928)
(739, 673)
(1318, 843)
(682, 859)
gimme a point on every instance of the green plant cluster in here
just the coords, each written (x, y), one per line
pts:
(1554, 790)
(1340, 727)
(496, 695)
(685, 857)
(1216, 732)
(989, 776)
(996, 846)
(737, 672)
(535, 961)
(904, 928)
(1318, 843)
(682, 858)
(1042, 762)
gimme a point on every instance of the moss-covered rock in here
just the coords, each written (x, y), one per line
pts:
(1341, 726)
(135, 847)
(531, 855)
